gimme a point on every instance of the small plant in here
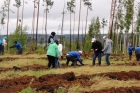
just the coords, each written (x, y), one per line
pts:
(28, 90)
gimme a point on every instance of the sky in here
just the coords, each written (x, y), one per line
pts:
(100, 8)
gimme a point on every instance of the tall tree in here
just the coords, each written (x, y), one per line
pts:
(49, 4)
(37, 21)
(8, 3)
(88, 4)
(18, 4)
(78, 46)
(70, 7)
(22, 16)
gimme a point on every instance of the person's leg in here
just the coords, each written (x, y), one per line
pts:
(68, 59)
(49, 61)
(130, 55)
(53, 61)
(2, 51)
(59, 65)
(107, 59)
(99, 58)
(94, 58)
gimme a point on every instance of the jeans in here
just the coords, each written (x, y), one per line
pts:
(99, 55)
(51, 63)
(57, 62)
(107, 59)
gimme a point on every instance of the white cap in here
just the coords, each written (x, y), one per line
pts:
(80, 52)
(104, 37)
(93, 39)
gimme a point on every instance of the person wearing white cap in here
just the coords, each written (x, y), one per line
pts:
(74, 56)
(97, 48)
(107, 49)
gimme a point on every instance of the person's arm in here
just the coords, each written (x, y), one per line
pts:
(13, 46)
(106, 46)
(79, 59)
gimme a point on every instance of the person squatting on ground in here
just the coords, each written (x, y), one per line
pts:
(137, 53)
(97, 48)
(107, 49)
(57, 62)
(3, 44)
(52, 54)
(18, 46)
(51, 37)
(130, 50)
(74, 56)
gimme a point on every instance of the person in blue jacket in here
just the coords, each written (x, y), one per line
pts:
(137, 53)
(0, 47)
(130, 50)
(18, 46)
(74, 56)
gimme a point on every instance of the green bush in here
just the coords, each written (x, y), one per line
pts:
(40, 50)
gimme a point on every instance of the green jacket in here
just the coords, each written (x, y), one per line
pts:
(52, 50)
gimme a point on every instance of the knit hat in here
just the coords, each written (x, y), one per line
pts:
(53, 33)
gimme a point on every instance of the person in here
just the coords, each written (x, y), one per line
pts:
(3, 44)
(74, 56)
(51, 37)
(52, 54)
(60, 48)
(0, 47)
(137, 53)
(97, 48)
(18, 46)
(107, 50)
(130, 50)
(57, 62)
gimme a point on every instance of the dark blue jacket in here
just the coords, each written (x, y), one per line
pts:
(130, 49)
(18, 45)
(0, 42)
(75, 54)
(137, 49)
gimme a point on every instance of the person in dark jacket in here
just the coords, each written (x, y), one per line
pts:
(74, 56)
(18, 46)
(97, 48)
(51, 37)
(137, 53)
(130, 50)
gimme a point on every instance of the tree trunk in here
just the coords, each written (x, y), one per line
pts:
(46, 25)
(17, 17)
(70, 31)
(22, 17)
(37, 22)
(79, 25)
(8, 22)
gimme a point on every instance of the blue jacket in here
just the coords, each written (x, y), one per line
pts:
(18, 45)
(130, 49)
(137, 49)
(75, 54)
(0, 42)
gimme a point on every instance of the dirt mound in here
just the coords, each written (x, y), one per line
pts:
(49, 82)
(119, 90)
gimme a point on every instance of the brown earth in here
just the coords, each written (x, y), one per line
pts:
(50, 82)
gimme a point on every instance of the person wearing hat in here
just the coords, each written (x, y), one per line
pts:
(97, 48)
(107, 49)
(3, 44)
(52, 54)
(74, 56)
(18, 46)
(51, 37)
(137, 53)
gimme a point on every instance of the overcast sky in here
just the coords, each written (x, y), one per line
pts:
(100, 8)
